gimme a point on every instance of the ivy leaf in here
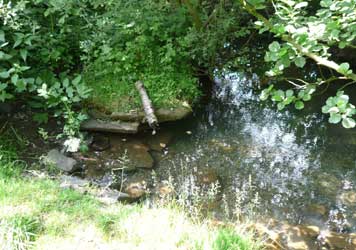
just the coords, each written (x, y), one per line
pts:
(274, 47)
(333, 110)
(300, 62)
(289, 93)
(342, 45)
(325, 109)
(335, 118)
(306, 97)
(299, 105)
(348, 122)
(344, 67)
(280, 105)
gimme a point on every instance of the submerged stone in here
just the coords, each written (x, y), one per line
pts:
(159, 141)
(348, 198)
(207, 177)
(139, 156)
(100, 142)
(73, 182)
(136, 187)
(111, 196)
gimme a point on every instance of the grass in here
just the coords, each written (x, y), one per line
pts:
(35, 213)
(112, 94)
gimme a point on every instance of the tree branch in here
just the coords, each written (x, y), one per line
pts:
(318, 59)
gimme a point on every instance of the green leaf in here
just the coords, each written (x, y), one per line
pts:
(14, 78)
(344, 67)
(2, 36)
(300, 62)
(23, 53)
(280, 105)
(342, 45)
(4, 74)
(264, 94)
(335, 118)
(306, 97)
(288, 100)
(274, 47)
(325, 109)
(348, 122)
(333, 110)
(77, 80)
(301, 5)
(278, 95)
(299, 105)
(40, 117)
(289, 93)
(3, 86)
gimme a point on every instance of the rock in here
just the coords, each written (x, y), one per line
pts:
(339, 241)
(110, 126)
(165, 190)
(136, 187)
(297, 245)
(308, 231)
(328, 184)
(163, 115)
(271, 238)
(348, 198)
(172, 114)
(73, 182)
(100, 143)
(222, 145)
(207, 177)
(317, 209)
(300, 237)
(61, 161)
(111, 196)
(139, 155)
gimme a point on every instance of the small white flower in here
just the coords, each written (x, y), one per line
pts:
(72, 144)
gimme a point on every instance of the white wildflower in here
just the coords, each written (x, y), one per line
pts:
(72, 144)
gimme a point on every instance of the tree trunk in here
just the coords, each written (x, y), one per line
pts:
(147, 105)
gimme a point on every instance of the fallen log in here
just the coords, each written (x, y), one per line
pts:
(147, 105)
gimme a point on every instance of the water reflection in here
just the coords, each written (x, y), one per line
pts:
(287, 154)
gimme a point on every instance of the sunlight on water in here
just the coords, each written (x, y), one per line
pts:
(284, 153)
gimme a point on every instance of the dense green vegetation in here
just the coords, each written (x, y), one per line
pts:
(54, 54)
(46, 45)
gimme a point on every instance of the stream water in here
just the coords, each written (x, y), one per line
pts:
(288, 165)
(301, 169)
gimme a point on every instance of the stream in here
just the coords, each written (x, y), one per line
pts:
(288, 165)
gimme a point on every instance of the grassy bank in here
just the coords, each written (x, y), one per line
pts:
(35, 213)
